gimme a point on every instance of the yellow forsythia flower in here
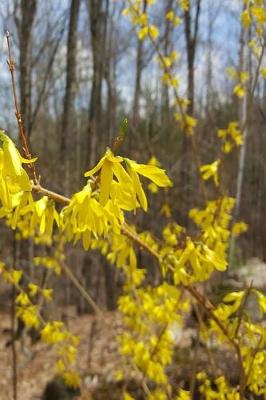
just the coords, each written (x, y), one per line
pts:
(165, 210)
(47, 294)
(33, 289)
(210, 171)
(127, 396)
(263, 72)
(72, 379)
(239, 90)
(245, 19)
(238, 228)
(184, 4)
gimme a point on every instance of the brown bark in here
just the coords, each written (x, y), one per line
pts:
(24, 26)
(97, 30)
(139, 69)
(109, 75)
(191, 36)
(71, 84)
(166, 49)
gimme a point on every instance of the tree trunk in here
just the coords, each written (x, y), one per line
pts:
(166, 50)
(96, 16)
(24, 26)
(243, 108)
(71, 84)
(138, 75)
(191, 37)
(110, 77)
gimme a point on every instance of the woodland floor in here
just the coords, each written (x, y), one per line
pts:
(98, 361)
(98, 356)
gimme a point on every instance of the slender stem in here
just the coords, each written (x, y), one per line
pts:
(210, 310)
(58, 198)
(13, 330)
(81, 289)
(22, 132)
(241, 308)
(257, 73)
(13, 344)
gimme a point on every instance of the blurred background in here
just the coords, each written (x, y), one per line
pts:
(81, 71)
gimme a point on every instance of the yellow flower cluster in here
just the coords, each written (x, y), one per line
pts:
(249, 336)
(231, 137)
(187, 122)
(13, 177)
(214, 223)
(55, 333)
(254, 14)
(31, 218)
(140, 18)
(210, 171)
(147, 342)
(242, 77)
(118, 188)
(221, 391)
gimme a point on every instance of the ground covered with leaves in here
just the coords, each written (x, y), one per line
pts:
(98, 357)
(99, 361)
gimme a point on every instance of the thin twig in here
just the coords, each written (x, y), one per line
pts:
(58, 198)
(13, 329)
(22, 132)
(241, 308)
(81, 289)
(210, 310)
(256, 350)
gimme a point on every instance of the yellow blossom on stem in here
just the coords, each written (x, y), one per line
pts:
(211, 171)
